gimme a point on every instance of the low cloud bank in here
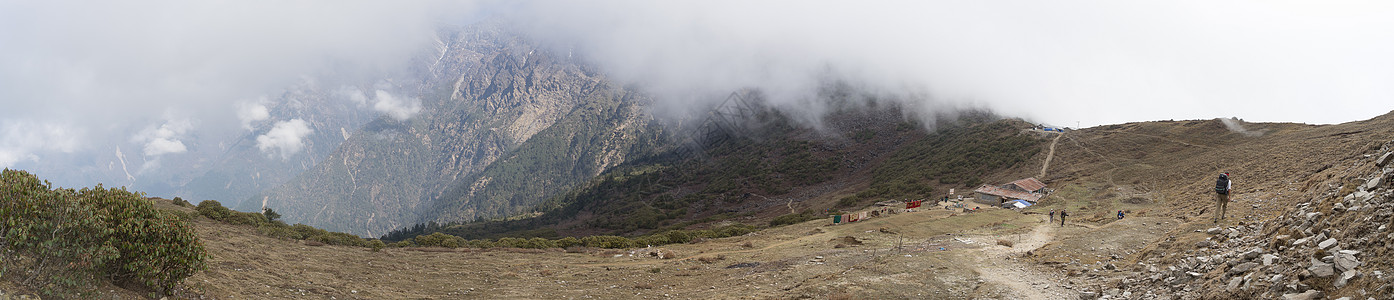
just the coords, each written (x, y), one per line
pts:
(285, 139)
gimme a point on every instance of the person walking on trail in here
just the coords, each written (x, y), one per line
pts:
(1062, 217)
(1052, 216)
(1120, 215)
(1223, 186)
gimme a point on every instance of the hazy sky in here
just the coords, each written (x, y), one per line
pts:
(150, 76)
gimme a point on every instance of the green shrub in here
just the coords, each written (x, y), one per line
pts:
(213, 210)
(180, 202)
(244, 218)
(608, 241)
(340, 239)
(377, 245)
(307, 231)
(790, 219)
(270, 215)
(279, 230)
(438, 240)
(157, 249)
(49, 242)
(62, 239)
(568, 242)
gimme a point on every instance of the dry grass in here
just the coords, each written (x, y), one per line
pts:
(841, 296)
(581, 249)
(669, 254)
(313, 243)
(748, 244)
(711, 259)
(522, 250)
(1007, 243)
(431, 249)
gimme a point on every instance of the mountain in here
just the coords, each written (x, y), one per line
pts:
(772, 166)
(497, 114)
(242, 169)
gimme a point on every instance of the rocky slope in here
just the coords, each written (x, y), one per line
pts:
(1334, 245)
(1309, 218)
(489, 97)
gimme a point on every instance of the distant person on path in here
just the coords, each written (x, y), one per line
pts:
(1062, 217)
(1120, 215)
(1052, 216)
(1222, 188)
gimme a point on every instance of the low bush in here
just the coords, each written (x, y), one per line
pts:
(377, 245)
(213, 210)
(180, 202)
(791, 219)
(61, 240)
(158, 250)
(340, 239)
(439, 240)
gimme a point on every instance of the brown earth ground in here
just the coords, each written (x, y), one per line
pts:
(1160, 173)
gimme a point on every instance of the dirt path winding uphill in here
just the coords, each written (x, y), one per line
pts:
(999, 265)
(1049, 155)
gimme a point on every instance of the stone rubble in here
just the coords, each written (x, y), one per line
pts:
(1305, 253)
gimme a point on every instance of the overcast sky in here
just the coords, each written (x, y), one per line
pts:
(149, 76)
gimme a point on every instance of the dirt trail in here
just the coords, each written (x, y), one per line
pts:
(1049, 155)
(999, 265)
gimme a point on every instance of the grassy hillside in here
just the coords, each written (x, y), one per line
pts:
(782, 169)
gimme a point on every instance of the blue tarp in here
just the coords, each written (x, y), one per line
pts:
(1019, 203)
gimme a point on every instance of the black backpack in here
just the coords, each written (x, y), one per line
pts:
(1222, 184)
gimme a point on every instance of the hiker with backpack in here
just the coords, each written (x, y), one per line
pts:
(1062, 217)
(1052, 216)
(1222, 188)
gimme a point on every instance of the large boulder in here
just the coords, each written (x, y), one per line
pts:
(1384, 160)
(1346, 261)
(1321, 269)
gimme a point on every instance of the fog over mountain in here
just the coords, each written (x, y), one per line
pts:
(111, 92)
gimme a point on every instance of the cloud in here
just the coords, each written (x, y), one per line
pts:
(399, 109)
(106, 69)
(164, 139)
(252, 112)
(286, 138)
(21, 140)
(1096, 62)
(352, 95)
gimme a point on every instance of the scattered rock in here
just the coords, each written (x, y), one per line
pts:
(1321, 269)
(1383, 160)
(1345, 260)
(1204, 244)
(1308, 295)
(1345, 278)
(1327, 243)
(1088, 295)
(1242, 268)
(1234, 283)
(1268, 259)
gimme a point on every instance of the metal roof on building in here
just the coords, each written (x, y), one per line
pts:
(1007, 193)
(1029, 184)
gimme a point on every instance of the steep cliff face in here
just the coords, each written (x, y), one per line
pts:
(490, 100)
